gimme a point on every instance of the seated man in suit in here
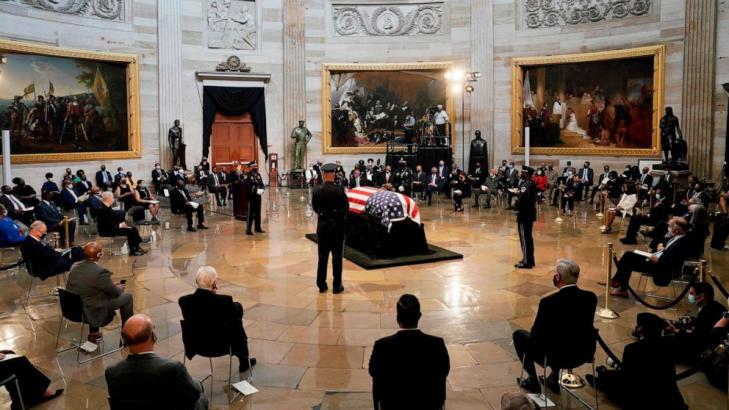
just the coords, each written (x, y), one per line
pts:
(420, 180)
(11, 234)
(218, 185)
(25, 192)
(563, 326)
(16, 208)
(661, 265)
(409, 368)
(100, 295)
(433, 185)
(206, 309)
(159, 177)
(83, 185)
(110, 223)
(46, 261)
(145, 380)
(658, 213)
(94, 202)
(72, 199)
(47, 212)
(183, 201)
(34, 385)
(647, 378)
(103, 178)
(356, 180)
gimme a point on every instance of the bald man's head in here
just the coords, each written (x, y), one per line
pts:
(138, 333)
(92, 251)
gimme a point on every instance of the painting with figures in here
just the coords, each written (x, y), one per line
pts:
(61, 104)
(591, 103)
(369, 107)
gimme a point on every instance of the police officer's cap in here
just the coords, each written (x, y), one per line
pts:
(253, 164)
(329, 167)
(529, 170)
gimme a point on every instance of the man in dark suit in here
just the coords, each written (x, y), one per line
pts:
(103, 178)
(46, 261)
(16, 208)
(83, 185)
(25, 192)
(110, 223)
(218, 185)
(587, 176)
(356, 180)
(658, 213)
(206, 309)
(645, 183)
(569, 170)
(435, 181)
(331, 205)
(646, 379)
(159, 177)
(409, 368)
(182, 201)
(100, 295)
(563, 327)
(661, 265)
(144, 380)
(255, 187)
(72, 199)
(120, 174)
(420, 181)
(526, 214)
(47, 212)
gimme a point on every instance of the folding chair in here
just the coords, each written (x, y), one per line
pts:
(14, 379)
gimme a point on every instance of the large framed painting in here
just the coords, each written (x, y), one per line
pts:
(367, 105)
(601, 103)
(68, 105)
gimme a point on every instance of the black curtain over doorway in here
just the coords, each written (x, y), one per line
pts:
(234, 101)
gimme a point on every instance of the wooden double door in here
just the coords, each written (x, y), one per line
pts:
(233, 139)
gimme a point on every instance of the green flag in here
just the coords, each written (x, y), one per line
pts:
(30, 89)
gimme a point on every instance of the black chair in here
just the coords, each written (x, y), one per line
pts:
(72, 309)
(60, 280)
(14, 379)
(568, 360)
(126, 404)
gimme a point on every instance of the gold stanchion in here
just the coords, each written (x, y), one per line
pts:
(702, 270)
(606, 312)
(560, 192)
(66, 239)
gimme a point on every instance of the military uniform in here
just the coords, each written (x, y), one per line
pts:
(330, 203)
(526, 215)
(254, 182)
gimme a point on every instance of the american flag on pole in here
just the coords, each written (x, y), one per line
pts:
(387, 206)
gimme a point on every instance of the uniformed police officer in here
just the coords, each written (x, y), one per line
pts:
(526, 215)
(254, 185)
(330, 203)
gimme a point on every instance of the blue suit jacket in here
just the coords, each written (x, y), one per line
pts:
(69, 202)
(48, 214)
(9, 235)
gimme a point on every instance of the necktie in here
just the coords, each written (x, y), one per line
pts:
(105, 177)
(18, 205)
(215, 177)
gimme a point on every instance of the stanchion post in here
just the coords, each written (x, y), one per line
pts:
(66, 239)
(606, 312)
(702, 270)
(559, 219)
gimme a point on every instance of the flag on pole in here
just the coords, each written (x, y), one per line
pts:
(30, 89)
(527, 92)
(50, 88)
(101, 91)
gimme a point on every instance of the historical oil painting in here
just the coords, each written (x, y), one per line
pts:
(367, 105)
(64, 103)
(595, 103)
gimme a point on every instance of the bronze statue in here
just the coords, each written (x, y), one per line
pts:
(672, 141)
(301, 136)
(177, 145)
(478, 153)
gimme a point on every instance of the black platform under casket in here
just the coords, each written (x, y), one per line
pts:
(366, 234)
(415, 154)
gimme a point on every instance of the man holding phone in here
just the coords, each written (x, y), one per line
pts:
(100, 295)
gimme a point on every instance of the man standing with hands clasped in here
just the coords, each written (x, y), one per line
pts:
(254, 184)
(526, 214)
(330, 203)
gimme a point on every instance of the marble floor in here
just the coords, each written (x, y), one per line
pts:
(313, 349)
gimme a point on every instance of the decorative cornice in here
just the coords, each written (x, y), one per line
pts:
(551, 13)
(109, 10)
(402, 19)
(233, 76)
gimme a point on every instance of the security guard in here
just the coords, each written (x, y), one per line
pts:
(254, 185)
(526, 215)
(330, 203)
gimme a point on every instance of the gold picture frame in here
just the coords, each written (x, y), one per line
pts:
(518, 66)
(133, 114)
(328, 68)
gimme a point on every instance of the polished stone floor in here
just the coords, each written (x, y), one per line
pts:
(313, 349)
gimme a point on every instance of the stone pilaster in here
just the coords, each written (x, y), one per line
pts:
(482, 46)
(169, 46)
(294, 71)
(698, 84)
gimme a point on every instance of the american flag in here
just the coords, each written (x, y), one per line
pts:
(387, 206)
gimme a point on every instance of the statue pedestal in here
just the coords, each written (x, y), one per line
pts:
(297, 178)
(671, 166)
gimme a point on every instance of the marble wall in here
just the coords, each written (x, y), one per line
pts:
(720, 96)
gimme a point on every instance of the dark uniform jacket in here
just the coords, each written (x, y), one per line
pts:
(330, 203)
(525, 203)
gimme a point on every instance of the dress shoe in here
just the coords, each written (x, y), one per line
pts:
(323, 289)
(260, 231)
(522, 265)
(191, 229)
(202, 226)
(94, 337)
(44, 399)
(138, 252)
(339, 290)
(249, 233)
(590, 380)
(627, 241)
(529, 384)
(244, 366)
(619, 293)
(551, 382)
(474, 206)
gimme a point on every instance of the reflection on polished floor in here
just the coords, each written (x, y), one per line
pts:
(313, 349)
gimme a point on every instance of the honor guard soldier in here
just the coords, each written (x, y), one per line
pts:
(330, 203)
(254, 185)
(526, 215)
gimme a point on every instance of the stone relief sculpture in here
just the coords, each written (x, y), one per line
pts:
(388, 20)
(550, 13)
(112, 10)
(232, 24)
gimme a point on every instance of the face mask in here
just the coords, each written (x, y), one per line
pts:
(587, 166)
(158, 167)
(692, 299)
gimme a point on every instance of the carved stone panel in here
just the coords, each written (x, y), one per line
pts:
(551, 13)
(232, 24)
(109, 10)
(388, 20)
